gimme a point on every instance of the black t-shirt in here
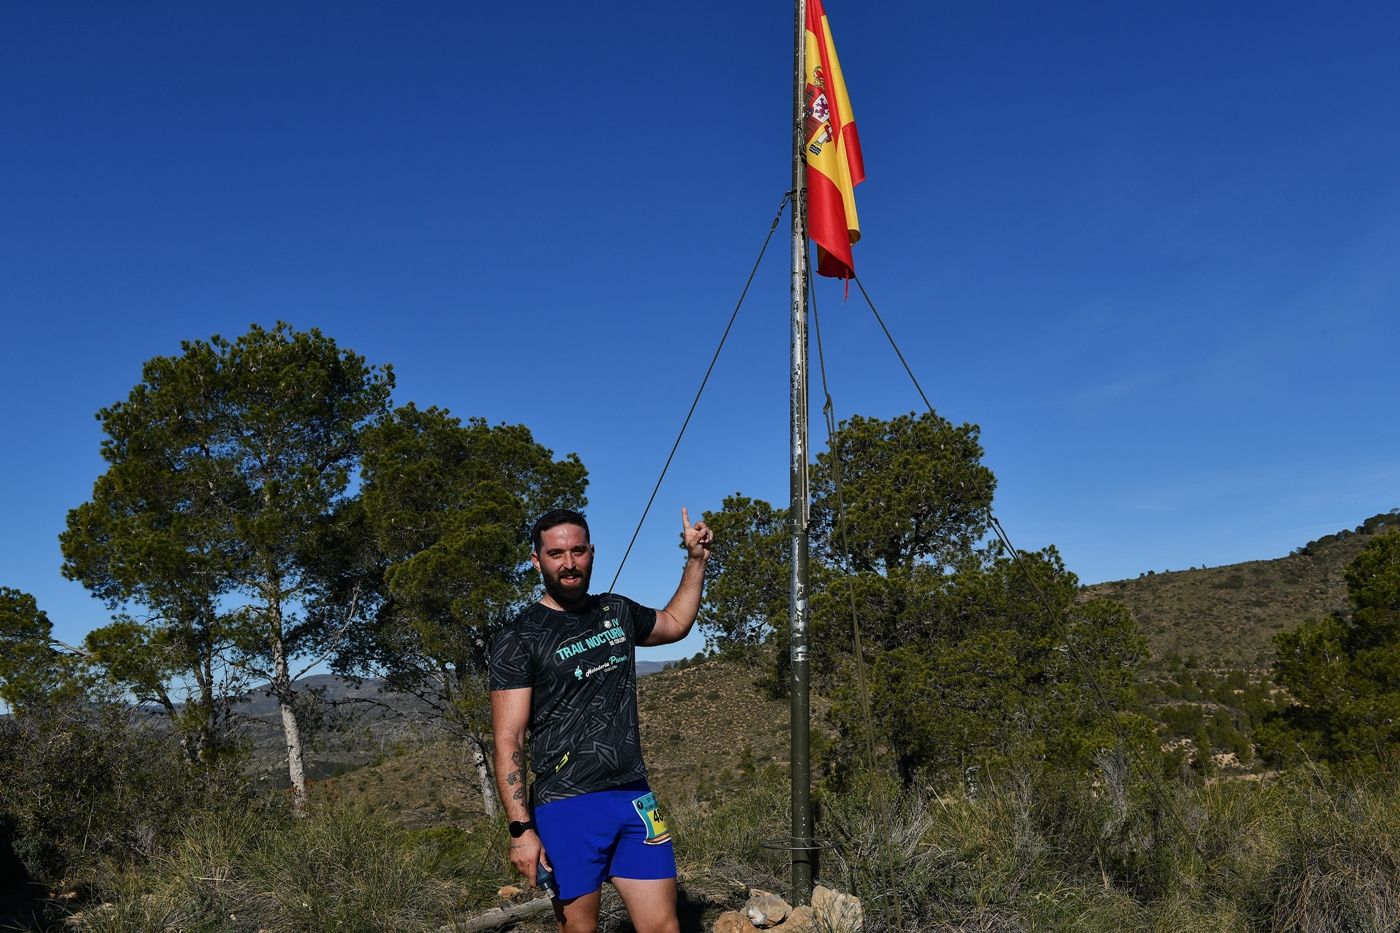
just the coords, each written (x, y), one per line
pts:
(584, 733)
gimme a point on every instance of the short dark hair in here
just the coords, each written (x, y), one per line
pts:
(552, 519)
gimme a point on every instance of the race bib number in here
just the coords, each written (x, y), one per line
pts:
(647, 809)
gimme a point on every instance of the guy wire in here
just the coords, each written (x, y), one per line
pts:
(833, 441)
(1149, 774)
(862, 683)
(787, 196)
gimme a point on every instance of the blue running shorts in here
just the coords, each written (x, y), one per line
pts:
(615, 833)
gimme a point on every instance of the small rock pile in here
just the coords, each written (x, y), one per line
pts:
(831, 912)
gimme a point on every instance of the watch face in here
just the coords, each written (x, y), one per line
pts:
(517, 828)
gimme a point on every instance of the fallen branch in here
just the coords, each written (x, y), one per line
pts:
(501, 916)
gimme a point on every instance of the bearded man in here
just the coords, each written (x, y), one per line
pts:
(565, 670)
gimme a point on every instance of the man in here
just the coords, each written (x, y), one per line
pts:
(566, 670)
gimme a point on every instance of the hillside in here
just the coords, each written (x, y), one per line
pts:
(1227, 616)
(705, 728)
(351, 723)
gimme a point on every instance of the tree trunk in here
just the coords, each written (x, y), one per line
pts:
(208, 739)
(476, 747)
(296, 766)
(286, 700)
(189, 746)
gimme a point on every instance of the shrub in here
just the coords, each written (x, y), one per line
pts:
(253, 868)
(1339, 866)
(85, 787)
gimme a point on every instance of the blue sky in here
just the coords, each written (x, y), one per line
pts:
(1150, 248)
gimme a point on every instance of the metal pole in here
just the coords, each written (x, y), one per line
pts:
(799, 512)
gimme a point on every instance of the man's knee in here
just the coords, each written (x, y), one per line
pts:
(667, 925)
(579, 915)
(581, 925)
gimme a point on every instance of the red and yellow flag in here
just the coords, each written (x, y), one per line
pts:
(834, 165)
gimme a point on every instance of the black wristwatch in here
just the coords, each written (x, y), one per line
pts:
(517, 828)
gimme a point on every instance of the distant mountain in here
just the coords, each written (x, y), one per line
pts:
(1227, 616)
(353, 724)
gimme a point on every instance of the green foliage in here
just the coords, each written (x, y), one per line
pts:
(746, 578)
(1007, 665)
(227, 471)
(34, 669)
(1344, 672)
(448, 508)
(1227, 707)
(145, 661)
(913, 488)
(964, 657)
(223, 464)
(85, 787)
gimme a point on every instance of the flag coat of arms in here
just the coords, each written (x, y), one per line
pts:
(832, 150)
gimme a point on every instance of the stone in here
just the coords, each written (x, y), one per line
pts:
(800, 920)
(732, 921)
(837, 912)
(766, 910)
(510, 891)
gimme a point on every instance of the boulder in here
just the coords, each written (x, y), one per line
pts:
(732, 921)
(840, 913)
(766, 910)
(800, 920)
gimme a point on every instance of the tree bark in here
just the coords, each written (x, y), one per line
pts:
(296, 765)
(477, 747)
(291, 728)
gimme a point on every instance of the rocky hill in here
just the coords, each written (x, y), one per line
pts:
(1226, 617)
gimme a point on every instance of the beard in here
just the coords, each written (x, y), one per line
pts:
(569, 587)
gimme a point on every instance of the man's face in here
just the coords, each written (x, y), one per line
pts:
(565, 561)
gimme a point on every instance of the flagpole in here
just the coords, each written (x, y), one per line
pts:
(799, 511)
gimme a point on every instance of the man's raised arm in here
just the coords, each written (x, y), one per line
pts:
(673, 623)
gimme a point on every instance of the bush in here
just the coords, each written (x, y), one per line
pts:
(85, 787)
(1338, 867)
(254, 868)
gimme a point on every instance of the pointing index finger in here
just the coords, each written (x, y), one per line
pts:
(685, 518)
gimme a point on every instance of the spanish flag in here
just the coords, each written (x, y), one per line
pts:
(834, 165)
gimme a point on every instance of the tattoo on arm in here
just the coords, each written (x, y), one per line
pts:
(516, 778)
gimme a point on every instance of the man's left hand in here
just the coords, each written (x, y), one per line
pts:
(697, 538)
